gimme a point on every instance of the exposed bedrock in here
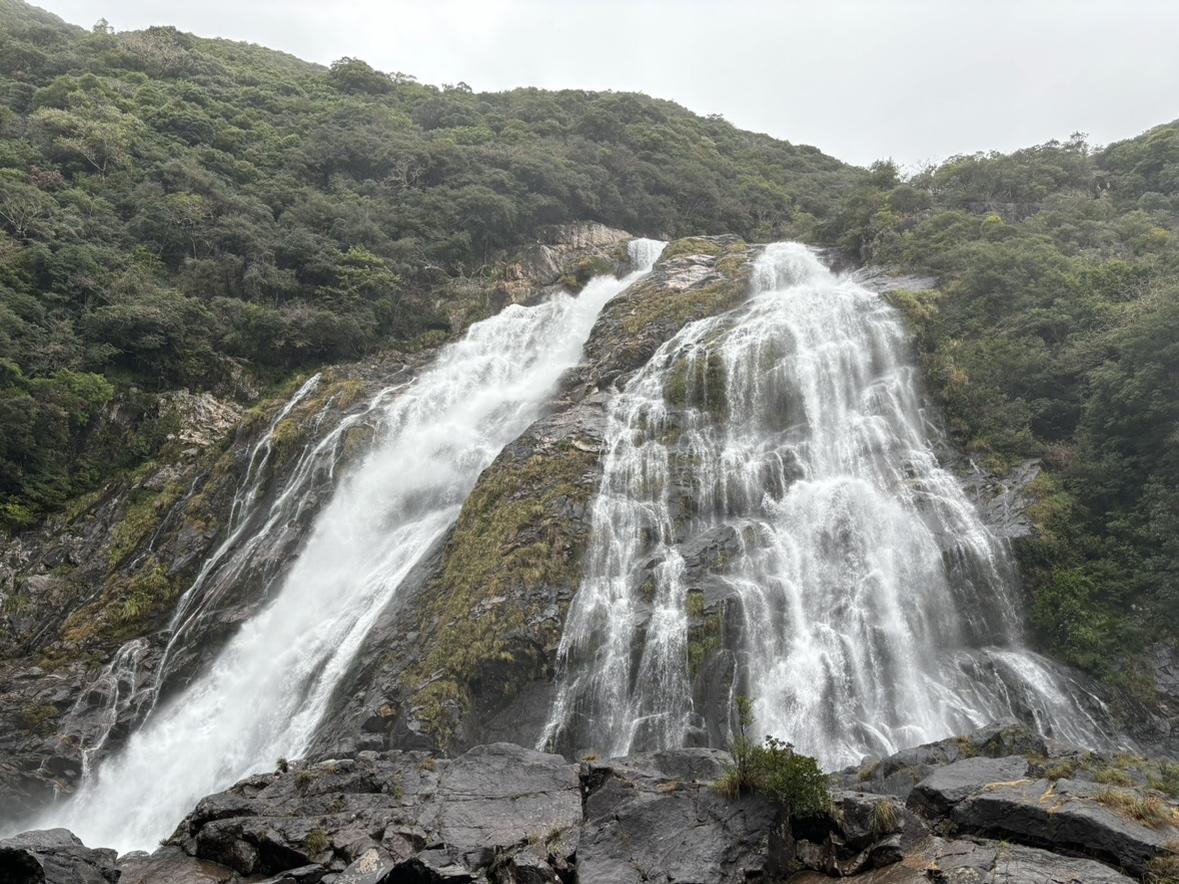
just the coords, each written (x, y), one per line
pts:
(509, 815)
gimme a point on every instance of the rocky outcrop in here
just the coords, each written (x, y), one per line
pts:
(996, 798)
(463, 819)
(657, 817)
(502, 814)
(564, 256)
(87, 600)
(54, 855)
(971, 861)
(466, 652)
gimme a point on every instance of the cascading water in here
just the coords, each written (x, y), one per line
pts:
(266, 691)
(772, 465)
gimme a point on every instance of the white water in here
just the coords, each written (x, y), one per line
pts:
(267, 690)
(871, 610)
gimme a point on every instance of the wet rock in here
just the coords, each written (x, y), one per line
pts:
(173, 865)
(657, 817)
(976, 861)
(899, 773)
(886, 280)
(1067, 817)
(54, 856)
(942, 790)
(404, 812)
(860, 832)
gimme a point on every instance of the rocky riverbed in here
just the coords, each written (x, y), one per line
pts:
(999, 805)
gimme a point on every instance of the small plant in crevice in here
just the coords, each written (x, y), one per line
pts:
(316, 842)
(1149, 810)
(1163, 869)
(884, 819)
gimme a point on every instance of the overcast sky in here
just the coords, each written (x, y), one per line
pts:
(915, 80)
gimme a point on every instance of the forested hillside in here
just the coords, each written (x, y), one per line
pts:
(1055, 334)
(176, 211)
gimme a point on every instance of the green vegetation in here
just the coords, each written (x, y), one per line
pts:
(655, 303)
(1054, 334)
(40, 718)
(509, 537)
(793, 782)
(176, 210)
(316, 842)
(885, 819)
(1149, 810)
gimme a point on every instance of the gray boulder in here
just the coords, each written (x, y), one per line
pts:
(938, 793)
(54, 856)
(995, 798)
(400, 814)
(1066, 816)
(976, 861)
(658, 818)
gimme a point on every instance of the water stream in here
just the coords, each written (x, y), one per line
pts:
(265, 692)
(774, 465)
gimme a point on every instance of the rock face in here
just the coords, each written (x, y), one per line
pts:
(86, 601)
(656, 818)
(969, 861)
(373, 813)
(54, 855)
(465, 655)
(993, 797)
(502, 814)
(496, 813)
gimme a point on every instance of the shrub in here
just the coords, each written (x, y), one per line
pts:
(1149, 810)
(316, 842)
(884, 819)
(793, 782)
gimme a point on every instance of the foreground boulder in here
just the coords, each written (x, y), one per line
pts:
(364, 817)
(975, 861)
(657, 817)
(994, 797)
(503, 814)
(54, 855)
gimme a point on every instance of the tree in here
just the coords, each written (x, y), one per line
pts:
(101, 135)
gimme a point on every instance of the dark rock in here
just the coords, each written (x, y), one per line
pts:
(399, 814)
(970, 861)
(173, 865)
(938, 793)
(899, 773)
(55, 856)
(658, 818)
(861, 832)
(1064, 816)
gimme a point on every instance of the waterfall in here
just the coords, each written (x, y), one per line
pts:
(773, 522)
(264, 694)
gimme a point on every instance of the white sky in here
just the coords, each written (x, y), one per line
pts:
(917, 80)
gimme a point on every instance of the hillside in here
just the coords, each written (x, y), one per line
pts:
(181, 212)
(187, 214)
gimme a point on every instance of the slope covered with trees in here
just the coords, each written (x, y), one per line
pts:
(175, 211)
(1055, 334)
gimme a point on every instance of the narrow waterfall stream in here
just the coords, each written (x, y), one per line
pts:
(773, 465)
(265, 693)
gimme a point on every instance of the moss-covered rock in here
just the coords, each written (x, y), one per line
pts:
(467, 654)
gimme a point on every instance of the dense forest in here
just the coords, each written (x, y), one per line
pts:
(175, 210)
(1055, 335)
(180, 212)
